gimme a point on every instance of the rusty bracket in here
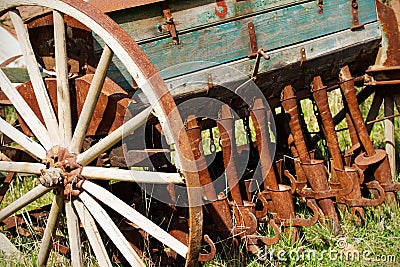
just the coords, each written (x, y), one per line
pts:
(253, 40)
(254, 239)
(354, 12)
(256, 53)
(246, 221)
(209, 256)
(320, 6)
(366, 202)
(169, 21)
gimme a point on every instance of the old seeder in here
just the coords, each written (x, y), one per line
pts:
(163, 126)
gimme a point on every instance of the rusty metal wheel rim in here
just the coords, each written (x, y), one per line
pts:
(70, 168)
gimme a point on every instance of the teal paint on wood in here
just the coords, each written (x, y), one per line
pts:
(229, 41)
(148, 22)
(284, 59)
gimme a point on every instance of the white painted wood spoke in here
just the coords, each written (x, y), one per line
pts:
(51, 227)
(91, 100)
(63, 95)
(29, 197)
(113, 138)
(109, 227)
(17, 136)
(8, 248)
(100, 173)
(25, 111)
(93, 234)
(74, 235)
(21, 167)
(135, 217)
(38, 85)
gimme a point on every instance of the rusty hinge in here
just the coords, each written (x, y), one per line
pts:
(169, 21)
(256, 52)
(253, 40)
(354, 12)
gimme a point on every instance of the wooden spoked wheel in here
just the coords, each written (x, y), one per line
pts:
(57, 142)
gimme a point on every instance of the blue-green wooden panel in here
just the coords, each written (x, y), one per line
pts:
(291, 23)
(146, 22)
(230, 41)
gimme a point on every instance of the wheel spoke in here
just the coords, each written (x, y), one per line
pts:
(29, 197)
(31, 146)
(93, 234)
(91, 100)
(51, 227)
(116, 136)
(25, 111)
(8, 249)
(111, 230)
(74, 235)
(39, 87)
(99, 173)
(21, 167)
(135, 217)
(63, 96)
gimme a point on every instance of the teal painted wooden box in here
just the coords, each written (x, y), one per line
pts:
(213, 34)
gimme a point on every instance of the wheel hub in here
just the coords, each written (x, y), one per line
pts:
(62, 170)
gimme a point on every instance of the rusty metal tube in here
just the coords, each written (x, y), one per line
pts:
(321, 99)
(347, 87)
(228, 143)
(374, 158)
(259, 117)
(218, 208)
(289, 104)
(316, 173)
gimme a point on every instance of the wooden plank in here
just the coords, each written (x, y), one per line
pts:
(108, 6)
(284, 64)
(229, 41)
(148, 22)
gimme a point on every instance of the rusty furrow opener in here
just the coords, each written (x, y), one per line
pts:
(218, 205)
(314, 170)
(281, 196)
(342, 177)
(244, 211)
(372, 161)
